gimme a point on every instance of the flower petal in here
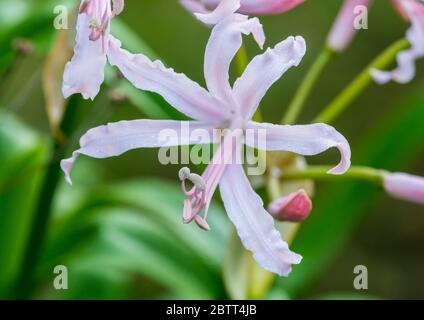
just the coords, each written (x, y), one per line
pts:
(182, 93)
(405, 70)
(405, 186)
(224, 42)
(224, 9)
(118, 6)
(85, 72)
(344, 30)
(265, 7)
(306, 140)
(254, 7)
(264, 70)
(116, 138)
(254, 225)
(194, 6)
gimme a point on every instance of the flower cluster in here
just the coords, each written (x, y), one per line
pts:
(227, 107)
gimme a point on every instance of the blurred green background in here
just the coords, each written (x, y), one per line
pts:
(118, 230)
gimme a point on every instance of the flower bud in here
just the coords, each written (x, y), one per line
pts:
(405, 186)
(295, 207)
(344, 28)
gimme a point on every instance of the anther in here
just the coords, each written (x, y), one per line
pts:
(93, 24)
(202, 223)
(198, 181)
(184, 173)
(117, 7)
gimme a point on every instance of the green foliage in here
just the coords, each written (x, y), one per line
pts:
(126, 239)
(394, 142)
(133, 230)
(22, 154)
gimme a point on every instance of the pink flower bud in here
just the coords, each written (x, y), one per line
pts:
(405, 186)
(295, 207)
(344, 28)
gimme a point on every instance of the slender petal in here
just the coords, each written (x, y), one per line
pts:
(116, 138)
(405, 186)
(265, 7)
(118, 6)
(182, 93)
(264, 70)
(85, 72)
(224, 42)
(306, 140)
(344, 29)
(194, 6)
(254, 225)
(405, 70)
(224, 9)
(254, 7)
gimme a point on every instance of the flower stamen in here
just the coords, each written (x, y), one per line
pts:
(196, 197)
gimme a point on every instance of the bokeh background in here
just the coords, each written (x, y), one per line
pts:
(118, 230)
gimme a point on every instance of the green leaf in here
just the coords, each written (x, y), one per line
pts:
(339, 211)
(135, 228)
(164, 200)
(23, 154)
(33, 19)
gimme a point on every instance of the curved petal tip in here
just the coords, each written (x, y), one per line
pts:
(222, 11)
(67, 164)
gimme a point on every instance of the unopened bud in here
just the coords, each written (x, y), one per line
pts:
(405, 186)
(295, 207)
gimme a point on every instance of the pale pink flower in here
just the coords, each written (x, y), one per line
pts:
(405, 186)
(85, 72)
(295, 207)
(221, 8)
(221, 106)
(413, 11)
(344, 28)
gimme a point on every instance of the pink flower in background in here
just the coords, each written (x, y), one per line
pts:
(413, 11)
(344, 28)
(295, 207)
(85, 72)
(254, 7)
(221, 106)
(405, 186)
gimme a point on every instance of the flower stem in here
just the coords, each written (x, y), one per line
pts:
(361, 82)
(242, 59)
(307, 85)
(36, 238)
(320, 173)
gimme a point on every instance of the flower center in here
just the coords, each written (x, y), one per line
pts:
(199, 196)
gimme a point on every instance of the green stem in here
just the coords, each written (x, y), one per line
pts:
(241, 59)
(361, 82)
(27, 274)
(307, 85)
(320, 173)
